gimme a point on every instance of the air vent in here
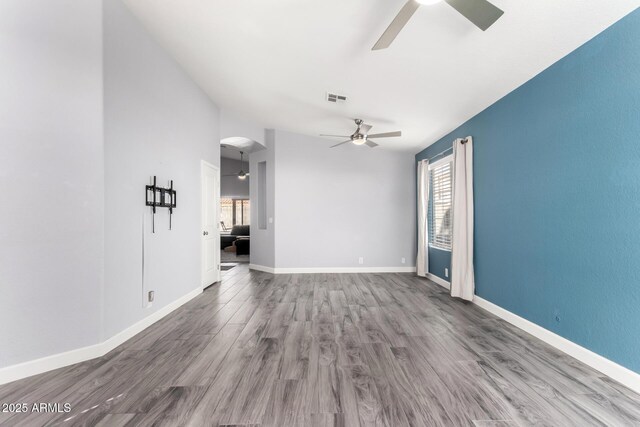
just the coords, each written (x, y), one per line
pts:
(338, 99)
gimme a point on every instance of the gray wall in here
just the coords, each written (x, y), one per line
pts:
(51, 177)
(157, 122)
(263, 241)
(333, 206)
(90, 108)
(231, 186)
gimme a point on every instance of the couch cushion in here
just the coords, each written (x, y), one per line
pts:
(240, 230)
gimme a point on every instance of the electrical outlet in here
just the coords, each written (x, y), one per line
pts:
(446, 272)
(361, 260)
(403, 260)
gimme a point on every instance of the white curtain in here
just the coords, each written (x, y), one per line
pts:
(462, 279)
(422, 262)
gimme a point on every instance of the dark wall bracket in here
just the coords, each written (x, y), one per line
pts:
(158, 197)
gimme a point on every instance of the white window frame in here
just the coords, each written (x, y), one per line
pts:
(434, 165)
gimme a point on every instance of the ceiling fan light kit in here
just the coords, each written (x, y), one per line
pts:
(362, 137)
(360, 140)
(241, 175)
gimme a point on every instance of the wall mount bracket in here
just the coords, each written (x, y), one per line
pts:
(159, 197)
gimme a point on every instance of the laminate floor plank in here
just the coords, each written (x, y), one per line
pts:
(297, 345)
(171, 406)
(115, 420)
(422, 402)
(551, 407)
(392, 408)
(527, 407)
(286, 404)
(245, 311)
(206, 364)
(490, 423)
(367, 399)
(357, 349)
(532, 376)
(250, 397)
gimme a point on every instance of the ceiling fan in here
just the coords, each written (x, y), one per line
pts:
(480, 12)
(242, 175)
(360, 136)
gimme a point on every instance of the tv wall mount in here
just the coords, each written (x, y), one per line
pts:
(158, 197)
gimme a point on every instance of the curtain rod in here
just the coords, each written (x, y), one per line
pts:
(464, 141)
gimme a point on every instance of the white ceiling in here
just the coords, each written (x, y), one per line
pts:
(274, 60)
(232, 146)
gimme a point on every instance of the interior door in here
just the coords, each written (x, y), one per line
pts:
(210, 233)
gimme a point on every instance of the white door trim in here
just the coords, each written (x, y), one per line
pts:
(216, 228)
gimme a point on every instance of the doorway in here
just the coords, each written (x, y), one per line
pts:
(210, 184)
(235, 207)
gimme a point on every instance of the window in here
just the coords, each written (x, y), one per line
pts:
(242, 215)
(441, 190)
(235, 212)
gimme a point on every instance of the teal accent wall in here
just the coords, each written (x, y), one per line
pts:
(439, 260)
(557, 196)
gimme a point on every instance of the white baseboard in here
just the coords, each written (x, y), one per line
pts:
(60, 360)
(261, 268)
(306, 270)
(48, 363)
(611, 369)
(439, 281)
(143, 324)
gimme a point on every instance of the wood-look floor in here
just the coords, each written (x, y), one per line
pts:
(328, 350)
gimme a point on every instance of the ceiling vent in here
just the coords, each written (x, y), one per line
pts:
(335, 98)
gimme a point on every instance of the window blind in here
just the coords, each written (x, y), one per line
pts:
(441, 202)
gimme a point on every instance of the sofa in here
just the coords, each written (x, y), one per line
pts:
(236, 232)
(243, 246)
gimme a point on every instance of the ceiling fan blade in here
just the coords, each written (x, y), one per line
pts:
(233, 174)
(371, 144)
(482, 13)
(343, 142)
(365, 128)
(337, 136)
(396, 25)
(385, 135)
